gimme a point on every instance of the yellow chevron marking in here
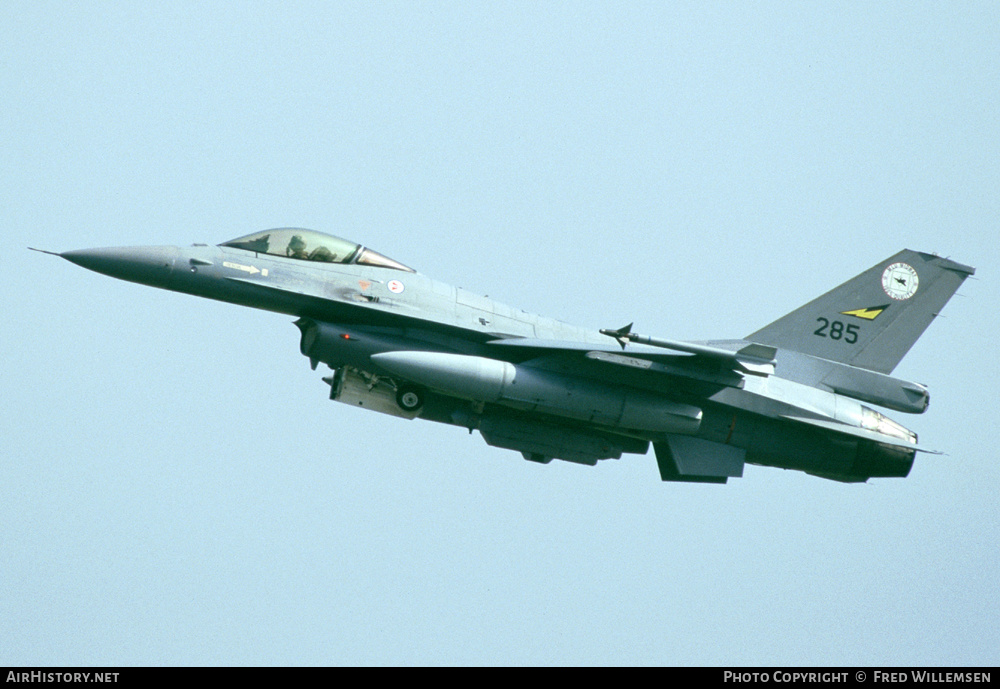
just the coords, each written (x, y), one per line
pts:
(869, 314)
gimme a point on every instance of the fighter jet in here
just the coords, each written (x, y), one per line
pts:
(792, 395)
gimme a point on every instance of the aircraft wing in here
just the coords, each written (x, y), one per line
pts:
(694, 361)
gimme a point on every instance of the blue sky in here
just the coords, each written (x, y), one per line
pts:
(177, 487)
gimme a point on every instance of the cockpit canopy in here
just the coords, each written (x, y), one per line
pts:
(309, 245)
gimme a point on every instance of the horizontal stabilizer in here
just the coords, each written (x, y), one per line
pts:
(877, 388)
(694, 460)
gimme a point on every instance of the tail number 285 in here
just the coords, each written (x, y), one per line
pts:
(836, 330)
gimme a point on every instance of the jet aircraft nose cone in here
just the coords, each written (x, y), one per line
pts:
(149, 265)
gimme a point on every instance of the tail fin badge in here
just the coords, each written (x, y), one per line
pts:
(900, 281)
(869, 313)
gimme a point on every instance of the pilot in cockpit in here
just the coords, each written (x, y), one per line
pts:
(296, 247)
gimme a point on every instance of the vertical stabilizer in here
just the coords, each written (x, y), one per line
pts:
(872, 320)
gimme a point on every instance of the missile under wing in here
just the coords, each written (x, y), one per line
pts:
(794, 394)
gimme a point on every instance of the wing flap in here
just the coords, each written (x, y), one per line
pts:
(726, 378)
